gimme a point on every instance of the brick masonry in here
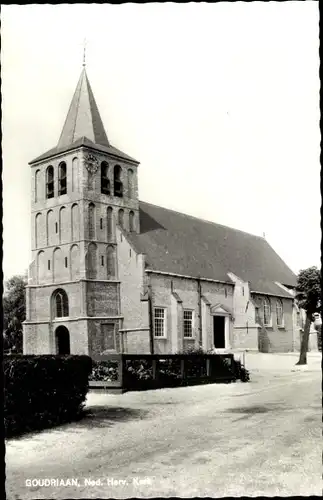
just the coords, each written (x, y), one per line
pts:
(74, 249)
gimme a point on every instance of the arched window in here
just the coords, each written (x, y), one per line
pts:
(91, 221)
(109, 223)
(50, 228)
(130, 183)
(38, 229)
(75, 166)
(50, 182)
(92, 261)
(279, 312)
(121, 217)
(75, 262)
(37, 175)
(111, 267)
(75, 219)
(60, 304)
(105, 183)
(118, 187)
(131, 221)
(62, 183)
(64, 229)
(267, 311)
(41, 267)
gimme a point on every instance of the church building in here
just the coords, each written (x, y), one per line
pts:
(110, 273)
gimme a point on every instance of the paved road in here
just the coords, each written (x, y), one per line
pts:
(261, 438)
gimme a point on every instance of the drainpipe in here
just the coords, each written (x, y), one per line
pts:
(199, 292)
(151, 323)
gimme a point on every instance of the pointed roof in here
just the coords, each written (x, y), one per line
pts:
(83, 125)
(83, 117)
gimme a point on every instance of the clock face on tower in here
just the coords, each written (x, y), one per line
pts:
(91, 163)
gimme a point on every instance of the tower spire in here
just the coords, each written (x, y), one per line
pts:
(83, 118)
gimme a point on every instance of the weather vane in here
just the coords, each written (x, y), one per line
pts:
(84, 51)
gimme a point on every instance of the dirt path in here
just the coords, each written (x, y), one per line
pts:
(261, 438)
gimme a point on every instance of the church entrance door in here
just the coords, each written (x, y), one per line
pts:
(219, 332)
(62, 340)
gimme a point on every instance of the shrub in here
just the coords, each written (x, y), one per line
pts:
(43, 391)
(138, 369)
(241, 372)
(169, 371)
(106, 371)
(192, 350)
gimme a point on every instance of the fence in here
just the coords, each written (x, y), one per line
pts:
(133, 372)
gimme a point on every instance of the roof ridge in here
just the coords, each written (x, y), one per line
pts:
(205, 220)
(77, 107)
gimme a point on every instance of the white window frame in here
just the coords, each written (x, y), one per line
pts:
(165, 322)
(192, 323)
(270, 309)
(280, 302)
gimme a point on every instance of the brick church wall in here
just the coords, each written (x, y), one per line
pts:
(275, 338)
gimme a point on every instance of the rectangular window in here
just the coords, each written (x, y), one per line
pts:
(65, 261)
(188, 324)
(159, 322)
(49, 265)
(102, 260)
(56, 227)
(298, 319)
(101, 223)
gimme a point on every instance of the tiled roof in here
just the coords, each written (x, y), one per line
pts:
(181, 244)
(83, 125)
(83, 117)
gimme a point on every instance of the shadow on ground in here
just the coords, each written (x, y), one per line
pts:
(98, 416)
(92, 417)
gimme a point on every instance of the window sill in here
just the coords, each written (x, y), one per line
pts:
(281, 327)
(188, 338)
(160, 338)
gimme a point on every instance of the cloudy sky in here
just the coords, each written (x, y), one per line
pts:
(219, 102)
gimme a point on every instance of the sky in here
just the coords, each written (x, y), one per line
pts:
(218, 101)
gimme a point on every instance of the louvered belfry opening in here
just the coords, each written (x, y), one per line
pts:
(118, 187)
(105, 182)
(62, 181)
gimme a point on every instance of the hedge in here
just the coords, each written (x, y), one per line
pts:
(42, 391)
(106, 371)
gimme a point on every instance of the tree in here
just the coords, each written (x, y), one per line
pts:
(14, 313)
(308, 296)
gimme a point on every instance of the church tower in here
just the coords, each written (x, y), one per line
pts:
(81, 190)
